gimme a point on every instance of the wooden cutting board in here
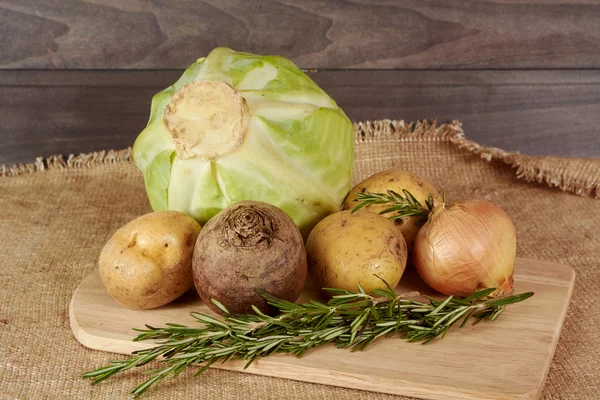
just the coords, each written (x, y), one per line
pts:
(505, 359)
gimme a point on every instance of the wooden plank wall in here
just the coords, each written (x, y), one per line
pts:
(77, 76)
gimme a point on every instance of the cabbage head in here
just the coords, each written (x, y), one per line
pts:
(239, 126)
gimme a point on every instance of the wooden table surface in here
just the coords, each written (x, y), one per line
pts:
(78, 76)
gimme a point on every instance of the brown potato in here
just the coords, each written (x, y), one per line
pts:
(147, 263)
(346, 249)
(395, 180)
(249, 245)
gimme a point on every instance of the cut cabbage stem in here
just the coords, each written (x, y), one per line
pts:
(206, 120)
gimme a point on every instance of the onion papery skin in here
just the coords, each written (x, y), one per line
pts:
(465, 247)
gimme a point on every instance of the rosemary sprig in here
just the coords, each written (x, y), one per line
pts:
(404, 206)
(350, 319)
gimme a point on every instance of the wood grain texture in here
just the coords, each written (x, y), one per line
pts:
(518, 347)
(535, 112)
(389, 34)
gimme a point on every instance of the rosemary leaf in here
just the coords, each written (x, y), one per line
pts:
(403, 205)
(350, 319)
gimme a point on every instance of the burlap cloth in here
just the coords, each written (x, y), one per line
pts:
(55, 220)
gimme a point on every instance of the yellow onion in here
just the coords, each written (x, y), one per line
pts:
(467, 246)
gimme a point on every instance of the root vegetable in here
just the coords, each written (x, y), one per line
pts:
(397, 181)
(346, 249)
(147, 263)
(249, 245)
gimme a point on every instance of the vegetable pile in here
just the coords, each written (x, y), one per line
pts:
(253, 150)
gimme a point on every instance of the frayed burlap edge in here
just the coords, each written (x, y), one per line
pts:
(573, 175)
(58, 162)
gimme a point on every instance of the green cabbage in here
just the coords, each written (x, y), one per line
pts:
(296, 148)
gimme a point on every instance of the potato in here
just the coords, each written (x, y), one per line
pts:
(147, 263)
(395, 180)
(249, 245)
(346, 249)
